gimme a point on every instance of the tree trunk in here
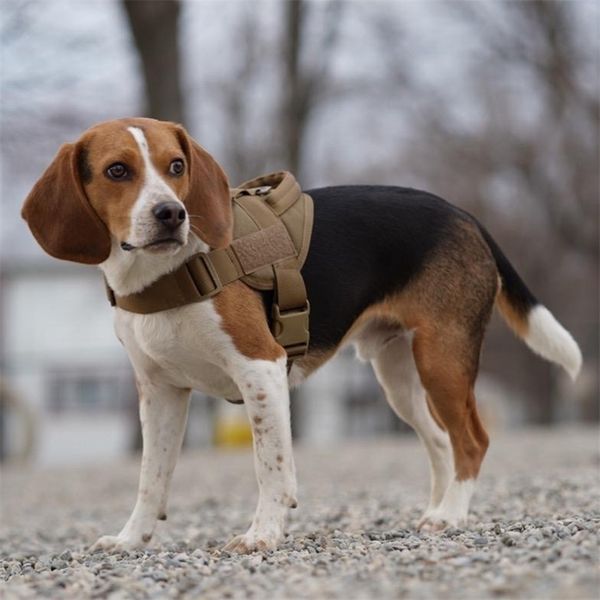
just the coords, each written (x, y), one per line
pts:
(304, 85)
(154, 25)
(294, 102)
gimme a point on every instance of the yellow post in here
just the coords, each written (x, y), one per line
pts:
(231, 428)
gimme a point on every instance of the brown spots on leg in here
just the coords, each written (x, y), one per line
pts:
(279, 458)
(289, 501)
(146, 537)
(244, 318)
(257, 419)
(260, 397)
(162, 517)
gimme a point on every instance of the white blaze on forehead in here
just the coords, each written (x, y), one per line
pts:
(153, 190)
(140, 138)
(152, 177)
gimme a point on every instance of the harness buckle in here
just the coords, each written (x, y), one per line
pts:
(290, 329)
(205, 279)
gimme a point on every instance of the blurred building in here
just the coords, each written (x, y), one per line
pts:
(62, 358)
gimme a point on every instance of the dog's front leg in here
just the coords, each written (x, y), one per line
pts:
(163, 414)
(265, 391)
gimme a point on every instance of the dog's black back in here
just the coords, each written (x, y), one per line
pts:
(367, 241)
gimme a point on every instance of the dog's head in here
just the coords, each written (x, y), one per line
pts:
(134, 185)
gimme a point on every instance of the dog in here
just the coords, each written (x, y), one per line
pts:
(403, 275)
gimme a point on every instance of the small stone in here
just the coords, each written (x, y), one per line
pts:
(57, 565)
(461, 561)
(509, 540)
(66, 555)
(548, 531)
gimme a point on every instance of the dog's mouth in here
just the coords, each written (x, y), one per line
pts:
(157, 245)
(163, 245)
(162, 242)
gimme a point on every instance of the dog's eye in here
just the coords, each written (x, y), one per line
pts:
(176, 167)
(117, 171)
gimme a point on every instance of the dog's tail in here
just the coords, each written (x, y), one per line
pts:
(529, 319)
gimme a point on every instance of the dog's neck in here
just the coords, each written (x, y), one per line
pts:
(128, 272)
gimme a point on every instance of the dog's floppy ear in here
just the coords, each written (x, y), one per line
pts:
(207, 201)
(59, 213)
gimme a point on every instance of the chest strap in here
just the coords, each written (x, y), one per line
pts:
(205, 274)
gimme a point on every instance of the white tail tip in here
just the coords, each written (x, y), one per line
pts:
(548, 338)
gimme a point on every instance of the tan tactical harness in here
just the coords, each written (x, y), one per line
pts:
(273, 222)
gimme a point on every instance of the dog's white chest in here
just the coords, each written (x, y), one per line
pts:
(186, 346)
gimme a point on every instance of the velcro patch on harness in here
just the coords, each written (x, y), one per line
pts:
(264, 247)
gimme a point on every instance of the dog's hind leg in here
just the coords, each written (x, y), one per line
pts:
(447, 361)
(395, 370)
(163, 414)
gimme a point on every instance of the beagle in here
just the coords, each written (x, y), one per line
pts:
(407, 278)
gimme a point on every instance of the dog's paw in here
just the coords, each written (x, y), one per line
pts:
(118, 543)
(432, 525)
(251, 542)
(437, 522)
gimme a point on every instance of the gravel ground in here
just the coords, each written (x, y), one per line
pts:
(533, 531)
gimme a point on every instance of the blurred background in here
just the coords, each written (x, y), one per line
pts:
(492, 105)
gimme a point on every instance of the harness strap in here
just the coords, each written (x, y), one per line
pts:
(290, 312)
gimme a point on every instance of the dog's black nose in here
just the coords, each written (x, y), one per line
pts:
(171, 214)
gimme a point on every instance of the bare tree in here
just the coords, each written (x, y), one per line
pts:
(557, 160)
(248, 148)
(289, 72)
(304, 84)
(154, 25)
